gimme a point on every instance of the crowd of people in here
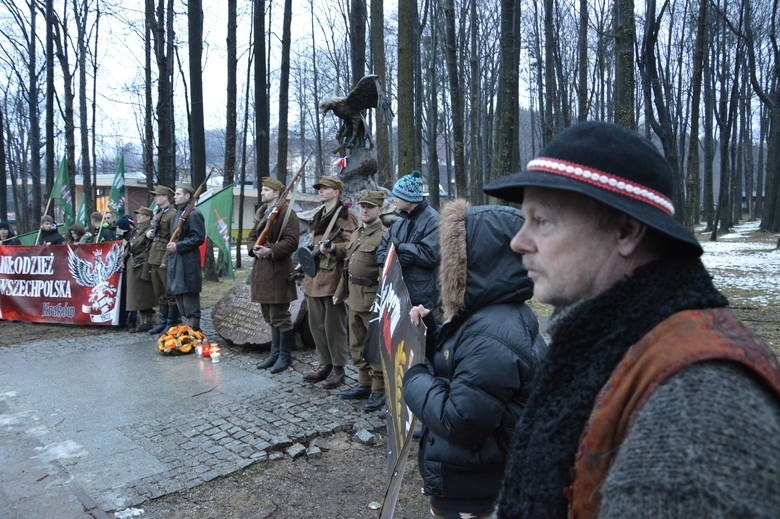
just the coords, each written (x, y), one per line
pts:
(158, 272)
(650, 400)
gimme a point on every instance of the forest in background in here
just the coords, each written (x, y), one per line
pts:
(477, 88)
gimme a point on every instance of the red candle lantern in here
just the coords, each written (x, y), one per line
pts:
(206, 350)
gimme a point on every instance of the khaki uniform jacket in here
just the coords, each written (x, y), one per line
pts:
(272, 282)
(140, 294)
(360, 282)
(157, 252)
(331, 266)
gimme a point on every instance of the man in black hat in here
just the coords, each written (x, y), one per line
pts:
(160, 232)
(633, 412)
(185, 279)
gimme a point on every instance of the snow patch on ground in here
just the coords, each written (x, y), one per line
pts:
(60, 451)
(743, 265)
(7, 395)
(127, 513)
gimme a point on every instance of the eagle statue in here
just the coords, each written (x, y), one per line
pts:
(353, 130)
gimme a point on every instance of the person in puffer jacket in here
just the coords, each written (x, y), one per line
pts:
(487, 351)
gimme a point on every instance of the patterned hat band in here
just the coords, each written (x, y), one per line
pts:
(603, 180)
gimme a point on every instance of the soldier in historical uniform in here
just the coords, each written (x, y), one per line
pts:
(160, 233)
(140, 292)
(358, 289)
(272, 284)
(185, 279)
(331, 227)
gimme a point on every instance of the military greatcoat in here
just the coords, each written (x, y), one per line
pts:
(272, 282)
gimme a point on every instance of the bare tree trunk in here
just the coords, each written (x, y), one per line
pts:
(505, 131)
(197, 130)
(35, 118)
(284, 93)
(230, 116)
(693, 181)
(166, 141)
(91, 201)
(582, 63)
(457, 99)
(407, 30)
(550, 90)
(244, 132)
(3, 174)
(148, 109)
(262, 137)
(81, 27)
(38, 208)
(654, 94)
(625, 33)
(433, 114)
(61, 40)
(383, 146)
(708, 202)
(357, 39)
(475, 171)
(316, 87)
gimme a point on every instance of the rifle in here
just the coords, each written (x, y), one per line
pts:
(185, 214)
(274, 214)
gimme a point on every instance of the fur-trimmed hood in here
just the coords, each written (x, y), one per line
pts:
(477, 266)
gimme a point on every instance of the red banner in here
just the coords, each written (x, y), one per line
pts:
(64, 284)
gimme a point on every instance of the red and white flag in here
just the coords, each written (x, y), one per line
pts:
(341, 162)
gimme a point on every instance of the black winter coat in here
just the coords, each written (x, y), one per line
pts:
(184, 275)
(416, 239)
(471, 396)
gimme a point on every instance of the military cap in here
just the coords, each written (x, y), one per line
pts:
(376, 198)
(144, 210)
(186, 187)
(162, 190)
(272, 183)
(331, 182)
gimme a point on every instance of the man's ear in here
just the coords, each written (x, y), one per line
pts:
(630, 234)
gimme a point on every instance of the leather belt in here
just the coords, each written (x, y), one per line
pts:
(365, 282)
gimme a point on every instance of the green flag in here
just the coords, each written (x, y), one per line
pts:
(116, 198)
(81, 217)
(61, 191)
(28, 238)
(217, 212)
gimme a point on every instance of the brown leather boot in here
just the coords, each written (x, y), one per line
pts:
(318, 374)
(335, 379)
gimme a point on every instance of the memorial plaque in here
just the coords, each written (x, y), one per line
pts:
(239, 320)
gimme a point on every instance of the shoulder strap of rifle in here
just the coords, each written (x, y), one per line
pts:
(332, 222)
(286, 219)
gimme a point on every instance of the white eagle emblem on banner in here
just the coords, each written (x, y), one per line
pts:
(103, 296)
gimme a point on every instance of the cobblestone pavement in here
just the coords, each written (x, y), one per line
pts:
(104, 422)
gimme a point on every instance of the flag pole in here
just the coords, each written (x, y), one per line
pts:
(100, 229)
(48, 205)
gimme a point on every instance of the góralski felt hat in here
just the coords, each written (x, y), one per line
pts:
(610, 164)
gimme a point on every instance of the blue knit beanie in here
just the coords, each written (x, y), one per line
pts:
(409, 187)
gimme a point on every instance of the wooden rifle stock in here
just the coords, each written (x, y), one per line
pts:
(274, 214)
(188, 209)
